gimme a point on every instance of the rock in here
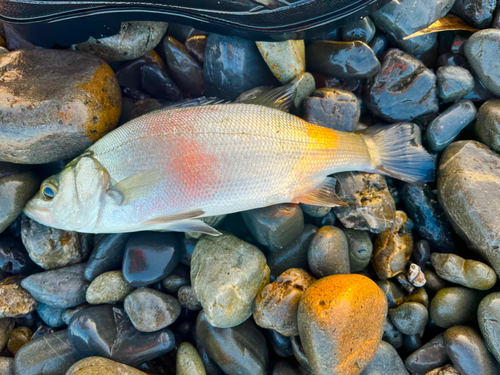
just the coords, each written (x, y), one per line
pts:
(488, 315)
(14, 258)
(476, 12)
(445, 370)
(282, 345)
(333, 108)
(106, 331)
(453, 82)
(188, 299)
(392, 335)
(108, 287)
(233, 66)
(275, 306)
(107, 255)
(467, 351)
(468, 183)
(69, 313)
(134, 40)
(101, 366)
(51, 316)
(409, 318)
(74, 99)
(386, 362)
(287, 59)
(156, 82)
(428, 357)
(275, 226)
(188, 361)
(370, 204)
(329, 252)
(430, 221)
(283, 368)
(300, 356)
(315, 211)
(50, 355)
(15, 301)
(6, 327)
(183, 32)
(479, 93)
(433, 282)
(240, 350)
(403, 90)
(418, 295)
(62, 288)
(7, 366)
(52, 248)
(150, 257)
(411, 343)
(363, 30)
(178, 278)
(415, 275)
(150, 310)
(466, 272)
(196, 46)
(325, 325)
(226, 275)
(43, 330)
(360, 248)
(342, 59)
(304, 86)
(129, 74)
(488, 124)
(379, 44)
(404, 282)
(454, 306)
(19, 337)
(392, 248)
(184, 69)
(392, 291)
(421, 252)
(211, 367)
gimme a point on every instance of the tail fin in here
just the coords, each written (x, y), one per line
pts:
(395, 152)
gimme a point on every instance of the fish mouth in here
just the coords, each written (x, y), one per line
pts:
(39, 214)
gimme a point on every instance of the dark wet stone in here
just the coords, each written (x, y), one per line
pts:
(433, 282)
(177, 278)
(282, 345)
(14, 258)
(211, 367)
(430, 356)
(300, 356)
(233, 66)
(477, 13)
(284, 368)
(275, 226)
(43, 330)
(183, 32)
(386, 362)
(454, 306)
(404, 89)
(363, 30)
(329, 252)
(409, 318)
(411, 343)
(379, 44)
(196, 46)
(51, 354)
(333, 108)
(68, 313)
(453, 82)
(488, 124)
(418, 295)
(6, 327)
(404, 282)
(150, 257)
(102, 366)
(421, 252)
(342, 59)
(156, 82)
(129, 74)
(370, 204)
(15, 301)
(453, 59)
(187, 298)
(62, 288)
(469, 170)
(329, 219)
(392, 291)
(479, 93)
(239, 350)
(360, 248)
(458, 44)
(315, 211)
(106, 331)
(51, 316)
(468, 353)
(392, 335)
(488, 316)
(430, 221)
(107, 255)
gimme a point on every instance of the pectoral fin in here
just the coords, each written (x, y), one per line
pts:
(178, 216)
(194, 226)
(279, 98)
(322, 195)
(135, 186)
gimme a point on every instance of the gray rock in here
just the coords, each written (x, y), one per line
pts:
(386, 362)
(409, 318)
(107, 255)
(488, 316)
(433, 282)
(6, 366)
(287, 59)
(477, 13)
(360, 248)
(329, 252)
(108, 287)
(101, 366)
(188, 361)
(50, 315)
(428, 357)
(315, 211)
(363, 30)
(68, 313)
(305, 86)
(393, 292)
(6, 327)
(392, 335)
(453, 82)
(187, 298)
(15, 301)
(177, 279)
(488, 124)
(454, 306)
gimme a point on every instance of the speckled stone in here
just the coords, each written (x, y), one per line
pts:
(428, 357)
(188, 361)
(454, 306)
(409, 318)
(329, 252)
(15, 301)
(6, 327)
(488, 316)
(188, 299)
(453, 82)
(363, 30)
(51, 316)
(101, 366)
(488, 124)
(386, 362)
(477, 13)
(286, 59)
(108, 287)
(445, 370)
(360, 248)
(7, 366)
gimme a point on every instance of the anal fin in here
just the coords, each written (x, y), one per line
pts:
(178, 216)
(322, 195)
(195, 225)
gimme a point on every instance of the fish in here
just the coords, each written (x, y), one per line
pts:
(170, 169)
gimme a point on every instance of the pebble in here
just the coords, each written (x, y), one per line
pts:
(329, 252)
(43, 330)
(466, 272)
(454, 306)
(468, 184)
(418, 295)
(325, 325)
(304, 85)
(409, 318)
(106, 331)
(362, 30)
(411, 343)
(393, 293)
(156, 82)
(6, 327)
(445, 370)
(333, 108)
(108, 287)
(51, 316)
(68, 110)
(132, 41)
(15, 301)
(342, 59)
(421, 252)
(188, 361)
(275, 306)
(150, 257)
(101, 366)
(19, 337)
(62, 288)
(433, 282)
(444, 128)
(403, 90)
(188, 299)
(226, 275)
(282, 345)
(300, 356)
(477, 13)
(211, 367)
(177, 278)
(468, 353)
(392, 335)
(379, 45)
(488, 315)
(428, 357)
(360, 248)
(386, 362)
(392, 248)
(415, 275)
(107, 255)
(14, 258)
(7, 366)
(129, 75)
(287, 59)
(453, 83)
(239, 350)
(315, 211)
(196, 46)
(370, 204)
(488, 124)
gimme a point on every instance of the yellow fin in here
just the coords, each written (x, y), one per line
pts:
(134, 186)
(323, 195)
(447, 23)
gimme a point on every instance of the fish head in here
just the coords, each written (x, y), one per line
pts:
(72, 199)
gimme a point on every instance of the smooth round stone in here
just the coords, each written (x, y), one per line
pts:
(411, 343)
(415, 275)
(282, 345)
(329, 219)
(386, 362)
(75, 100)
(300, 356)
(287, 59)
(240, 350)
(315, 211)
(226, 275)
(101, 366)
(488, 124)
(19, 337)
(188, 361)
(211, 367)
(43, 330)
(150, 257)
(327, 312)
(107, 255)
(360, 248)
(329, 252)
(188, 299)
(444, 128)
(108, 287)
(196, 46)
(428, 357)
(392, 248)
(129, 74)
(445, 370)
(68, 313)
(275, 306)
(477, 13)
(6, 327)
(454, 306)
(14, 258)
(468, 184)
(479, 93)
(468, 353)
(342, 59)
(133, 40)
(488, 316)
(51, 354)
(419, 295)
(7, 366)
(466, 272)
(379, 45)
(156, 82)
(51, 316)
(304, 85)
(453, 82)
(178, 278)
(392, 291)
(62, 288)
(392, 335)
(433, 282)
(15, 301)
(409, 318)
(363, 30)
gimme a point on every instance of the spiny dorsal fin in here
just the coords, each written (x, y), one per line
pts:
(178, 216)
(133, 187)
(323, 195)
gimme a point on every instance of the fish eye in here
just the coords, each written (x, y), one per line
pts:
(49, 191)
